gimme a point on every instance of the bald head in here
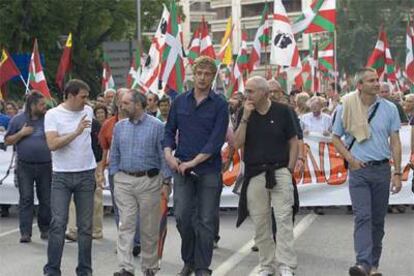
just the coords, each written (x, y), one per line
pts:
(257, 90)
(276, 92)
(385, 90)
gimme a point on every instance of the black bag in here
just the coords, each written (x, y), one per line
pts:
(354, 139)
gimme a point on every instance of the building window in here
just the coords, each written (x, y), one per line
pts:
(223, 13)
(217, 37)
(252, 10)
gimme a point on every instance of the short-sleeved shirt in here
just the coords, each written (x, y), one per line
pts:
(312, 123)
(268, 135)
(4, 120)
(385, 122)
(32, 148)
(105, 134)
(77, 156)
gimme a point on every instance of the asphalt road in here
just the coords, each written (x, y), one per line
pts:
(324, 245)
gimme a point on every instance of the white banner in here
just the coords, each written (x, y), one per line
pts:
(324, 182)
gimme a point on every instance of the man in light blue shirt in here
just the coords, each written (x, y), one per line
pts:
(369, 167)
(136, 160)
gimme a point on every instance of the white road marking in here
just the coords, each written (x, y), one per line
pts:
(245, 250)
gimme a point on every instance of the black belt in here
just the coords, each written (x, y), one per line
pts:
(34, 163)
(149, 173)
(376, 163)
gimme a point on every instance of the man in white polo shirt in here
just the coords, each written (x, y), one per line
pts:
(68, 136)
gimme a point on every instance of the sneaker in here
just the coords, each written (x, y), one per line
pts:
(284, 270)
(374, 272)
(265, 273)
(44, 235)
(123, 272)
(25, 239)
(71, 237)
(136, 250)
(186, 270)
(357, 270)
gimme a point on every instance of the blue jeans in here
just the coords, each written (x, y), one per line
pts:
(82, 186)
(28, 174)
(137, 238)
(196, 205)
(369, 188)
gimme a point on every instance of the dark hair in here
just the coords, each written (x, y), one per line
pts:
(164, 99)
(32, 98)
(100, 106)
(155, 96)
(12, 104)
(74, 86)
(336, 87)
(138, 97)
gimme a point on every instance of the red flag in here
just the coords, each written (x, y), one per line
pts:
(8, 68)
(206, 46)
(37, 78)
(65, 63)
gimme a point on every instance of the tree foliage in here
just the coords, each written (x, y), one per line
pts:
(91, 22)
(358, 26)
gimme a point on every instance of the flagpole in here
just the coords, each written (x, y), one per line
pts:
(24, 82)
(335, 64)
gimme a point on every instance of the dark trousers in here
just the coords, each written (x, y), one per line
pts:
(196, 205)
(369, 188)
(28, 174)
(82, 186)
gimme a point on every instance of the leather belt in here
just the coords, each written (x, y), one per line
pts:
(149, 173)
(376, 163)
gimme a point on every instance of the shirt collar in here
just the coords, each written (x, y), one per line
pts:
(210, 95)
(140, 119)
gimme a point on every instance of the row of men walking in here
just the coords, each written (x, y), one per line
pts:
(144, 155)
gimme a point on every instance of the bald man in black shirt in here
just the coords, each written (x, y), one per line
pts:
(268, 134)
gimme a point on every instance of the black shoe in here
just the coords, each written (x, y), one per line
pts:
(319, 211)
(44, 235)
(255, 248)
(5, 212)
(25, 239)
(149, 272)
(357, 270)
(186, 271)
(123, 272)
(136, 250)
(202, 273)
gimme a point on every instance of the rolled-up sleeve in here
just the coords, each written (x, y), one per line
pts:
(165, 169)
(170, 128)
(217, 137)
(337, 126)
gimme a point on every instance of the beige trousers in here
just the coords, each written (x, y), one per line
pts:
(135, 195)
(259, 202)
(97, 216)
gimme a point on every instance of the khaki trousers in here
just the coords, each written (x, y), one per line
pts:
(133, 196)
(259, 202)
(97, 216)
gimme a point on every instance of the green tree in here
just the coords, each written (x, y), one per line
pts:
(91, 22)
(358, 24)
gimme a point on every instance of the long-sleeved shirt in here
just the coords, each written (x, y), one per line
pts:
(137, 146)
(201, 129)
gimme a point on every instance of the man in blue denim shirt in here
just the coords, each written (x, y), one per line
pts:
(369, 168)
(136, 159)
(201, 119)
